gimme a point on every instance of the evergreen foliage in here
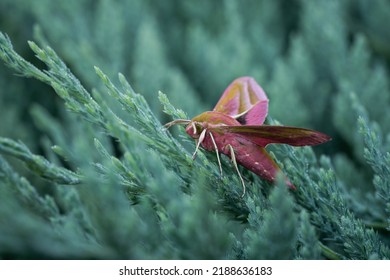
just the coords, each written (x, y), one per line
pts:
(100, 178)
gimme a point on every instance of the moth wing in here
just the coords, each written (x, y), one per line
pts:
(245, 101)
(270, 167)
(258, 160)
(263, 135)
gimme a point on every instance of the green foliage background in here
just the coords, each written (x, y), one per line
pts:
(100, 178)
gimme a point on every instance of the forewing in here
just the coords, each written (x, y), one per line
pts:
(245, 101)
(270, 134)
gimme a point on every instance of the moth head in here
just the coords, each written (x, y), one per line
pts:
(194, 129)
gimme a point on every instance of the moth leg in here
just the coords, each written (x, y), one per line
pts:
(233, 157)
(201, 138)
(194, 127)
(216, 151)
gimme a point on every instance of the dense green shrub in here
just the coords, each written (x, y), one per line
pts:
(101, 178)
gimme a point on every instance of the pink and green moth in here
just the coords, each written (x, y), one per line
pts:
(236, 128)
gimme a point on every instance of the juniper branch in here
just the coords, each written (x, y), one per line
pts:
(38, 164)
(318, 192)
(379, 162)
(27, 193)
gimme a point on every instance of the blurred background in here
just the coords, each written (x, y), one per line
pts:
(310, 56)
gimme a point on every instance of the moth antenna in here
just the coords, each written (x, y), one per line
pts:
(216, 151)
(233, 157)
(201, 138)
(174, 122)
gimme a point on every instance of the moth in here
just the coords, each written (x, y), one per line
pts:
(235, 128)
